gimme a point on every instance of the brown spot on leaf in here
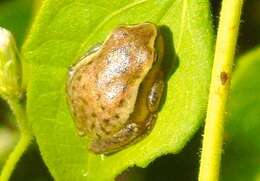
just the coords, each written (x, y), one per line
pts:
(223, 77)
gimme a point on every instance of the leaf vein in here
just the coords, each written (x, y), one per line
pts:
(183, 16)
(113, 14)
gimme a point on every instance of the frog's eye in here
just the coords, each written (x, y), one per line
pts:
(153, 99)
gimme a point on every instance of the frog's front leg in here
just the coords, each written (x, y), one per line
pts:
(142, 121)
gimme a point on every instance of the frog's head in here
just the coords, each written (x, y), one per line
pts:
(139, 37)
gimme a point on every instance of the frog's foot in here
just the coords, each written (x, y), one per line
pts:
(124, 137)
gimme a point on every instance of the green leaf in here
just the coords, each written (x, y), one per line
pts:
(64, 30)
(241, 158)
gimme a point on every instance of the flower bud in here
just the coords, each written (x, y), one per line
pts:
(10, 65)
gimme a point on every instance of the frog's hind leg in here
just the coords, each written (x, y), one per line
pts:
(124, 137)
(117, 141)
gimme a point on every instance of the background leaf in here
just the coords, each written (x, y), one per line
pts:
(15, 15)
(31, 167)
(65, 29)
(241, 159)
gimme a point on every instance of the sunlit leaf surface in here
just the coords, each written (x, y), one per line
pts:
(65, 29)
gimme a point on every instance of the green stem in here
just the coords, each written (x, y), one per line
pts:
(19, 111)
(219, 88)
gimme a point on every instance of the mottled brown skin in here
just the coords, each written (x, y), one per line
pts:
(114, 93)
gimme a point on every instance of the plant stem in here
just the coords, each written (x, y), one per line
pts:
(25, 138)
(219, 88)
(14, 157)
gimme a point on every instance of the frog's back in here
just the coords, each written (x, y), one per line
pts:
(104, 90)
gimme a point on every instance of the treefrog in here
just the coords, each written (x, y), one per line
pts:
(114, 91)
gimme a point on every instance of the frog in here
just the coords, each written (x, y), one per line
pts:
(114, 91)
